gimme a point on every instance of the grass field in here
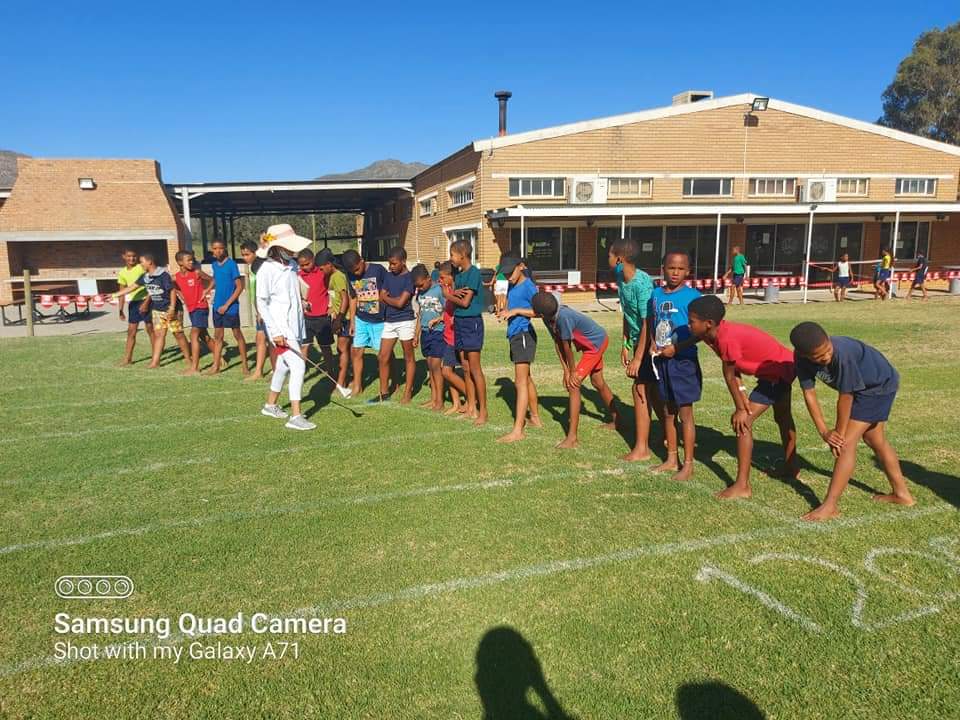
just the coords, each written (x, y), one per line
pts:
(636, 596)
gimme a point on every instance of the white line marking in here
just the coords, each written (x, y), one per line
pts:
(429, 590)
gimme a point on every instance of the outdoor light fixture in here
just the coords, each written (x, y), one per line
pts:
(500, 222)
(759, 104)
(86, 183)
(590, 222)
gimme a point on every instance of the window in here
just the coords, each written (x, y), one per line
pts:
(461, 196)
(772, 186)
(916, 186)
(694, 187)
(548, 248)
(428, 206)
(469, 235)
(853, 186)
(537, 187)
(626, 187)
(914, 239)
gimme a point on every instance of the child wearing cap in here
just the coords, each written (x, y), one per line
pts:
(571, 329)
(523, 344)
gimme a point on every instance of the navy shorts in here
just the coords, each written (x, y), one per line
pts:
(134, 316)
(918, 279)
(843, 281)
(680, 380)
(769, 393)
(738, 280)
(261, 327)
(199, 317)
(432, 344)
(450, 358)
(468, 333)
(872, 408)
(645, 375)
(884, 275)
(318, 328)
(229, 320)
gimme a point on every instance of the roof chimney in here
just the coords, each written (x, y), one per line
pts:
(502, 96)
(692, 96)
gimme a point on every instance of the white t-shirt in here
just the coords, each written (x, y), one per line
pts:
(843, 269)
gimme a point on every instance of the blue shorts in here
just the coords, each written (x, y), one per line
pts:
(432, 344)
(843, 281)
(919, 279)
(872, 408)
(367, 334)
(737, 280)
(261, 327)
(199, 317)
(228, 320)
(468, 333)
(450, 358)
(884, 275)
(680, 380)
(134, 316)
(769, 393)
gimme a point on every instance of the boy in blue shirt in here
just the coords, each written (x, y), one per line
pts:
(429, 331)
(226, 309)
(868, 385)
(399, 324)
(678, 382)
(570, 329)
(634, 287)
(467, 298)
(365, 280)
(523, 344)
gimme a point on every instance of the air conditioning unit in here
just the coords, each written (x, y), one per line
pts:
(588, 190)
(819, 190)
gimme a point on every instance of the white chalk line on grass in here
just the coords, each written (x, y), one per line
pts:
(310, 507)
(517, 574)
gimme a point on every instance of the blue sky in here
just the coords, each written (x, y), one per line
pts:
(283, 90)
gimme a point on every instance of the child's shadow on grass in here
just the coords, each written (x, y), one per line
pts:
(946, 487)
(715, 700)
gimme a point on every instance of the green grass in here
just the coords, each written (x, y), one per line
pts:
(426, 535)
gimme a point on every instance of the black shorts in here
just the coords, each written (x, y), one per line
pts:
(319, 329)
(769, 393)
(134, 316)
(523, 348)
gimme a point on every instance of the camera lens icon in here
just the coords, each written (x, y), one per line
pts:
(93, 587)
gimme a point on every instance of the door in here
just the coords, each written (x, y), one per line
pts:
(760, 244)
(791, 247)
(822, 251)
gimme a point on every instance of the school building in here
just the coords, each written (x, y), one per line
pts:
(700, 175)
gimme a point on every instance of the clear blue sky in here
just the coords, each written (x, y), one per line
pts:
(283, 90)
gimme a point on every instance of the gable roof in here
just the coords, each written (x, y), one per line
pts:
(706, 105)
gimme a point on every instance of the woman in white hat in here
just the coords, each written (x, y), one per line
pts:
(281, 308)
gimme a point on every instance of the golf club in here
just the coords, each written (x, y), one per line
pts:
(344, 391)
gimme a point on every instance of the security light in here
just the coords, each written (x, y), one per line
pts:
(86, 183)
(759, 104)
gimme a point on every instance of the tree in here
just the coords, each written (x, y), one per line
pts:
(924, 97)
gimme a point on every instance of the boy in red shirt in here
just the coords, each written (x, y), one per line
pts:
(193, 285)
(747, 350)
(316, 309)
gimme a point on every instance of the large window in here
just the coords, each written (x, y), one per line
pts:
(625, 188)
(537, 187)
(779, 187)
(914, 239)
(858, 187)
(916, 186)
(547, 248)
(698, 241)
(705, 187)
(428, 205)
(783, 247)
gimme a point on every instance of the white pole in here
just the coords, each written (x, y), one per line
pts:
(716, 257)
(185, 198)
(893, 249)
(806, 264)
(623, 227)
(523, 237)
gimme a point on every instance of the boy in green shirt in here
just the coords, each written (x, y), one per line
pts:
(138, 299)
(738, 268)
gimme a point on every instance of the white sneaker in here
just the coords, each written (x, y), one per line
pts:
(299, 422)
(273, 411)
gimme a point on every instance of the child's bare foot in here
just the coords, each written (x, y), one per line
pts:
(824, 512)
(612, 425)
(567, 444)
(637, 455)
(896, 499)
(124, 363)
(211, 371)
(481, 419)
(405, 400)
(685, 473)
(428, 404)
(453, 411)
(253, 377)
(245, 371)
(153, 366)
(735, 491)
(535, 421)
(190, 371)
(669, 465)
(512, 436)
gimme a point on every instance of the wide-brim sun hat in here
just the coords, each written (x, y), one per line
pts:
(282, 236)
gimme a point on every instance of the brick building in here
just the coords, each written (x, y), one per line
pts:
(67, 221)
(684, 177)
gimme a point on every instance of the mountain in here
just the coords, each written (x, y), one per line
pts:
(381, 170)
(8, 167)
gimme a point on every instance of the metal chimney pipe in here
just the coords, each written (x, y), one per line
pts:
(502, 96)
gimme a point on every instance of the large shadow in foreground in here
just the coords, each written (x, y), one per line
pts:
(715, 700)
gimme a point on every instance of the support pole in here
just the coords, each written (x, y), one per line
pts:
(893, 250)
(185, 200)
(716, 258)
(233, 239)
(313, 228)
(623, 227)
(251, 300)
(523, 237)
(806, 264)
(28, 301)
(203, 237)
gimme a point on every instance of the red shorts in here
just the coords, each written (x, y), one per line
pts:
(592, 361)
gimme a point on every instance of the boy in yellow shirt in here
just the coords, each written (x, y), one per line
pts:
(135, 312)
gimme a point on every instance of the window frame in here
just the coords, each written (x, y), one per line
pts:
(520, 181)
(619, 179)
(562, 227)
(856, 193)
(693, 185)
(753, 185)
(929, 187)
(467, 189)
(432, 210)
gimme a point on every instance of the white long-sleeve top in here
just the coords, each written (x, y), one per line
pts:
(279, 302)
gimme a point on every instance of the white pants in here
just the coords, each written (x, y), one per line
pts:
(288, 362)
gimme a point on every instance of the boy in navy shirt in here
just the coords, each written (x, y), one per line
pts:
(467, 298)
(570, 329)
(399, 324)
(523, 344)
(678, 382)
(919, 277)
(365, 280)
(226, 309)
(867, 384)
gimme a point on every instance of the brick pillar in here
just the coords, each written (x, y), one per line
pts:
(6, 289)
(945, 241)
(871, 240)
(587, 253)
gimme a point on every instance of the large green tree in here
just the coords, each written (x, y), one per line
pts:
(924, 97)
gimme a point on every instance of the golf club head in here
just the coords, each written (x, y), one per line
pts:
(344, 391)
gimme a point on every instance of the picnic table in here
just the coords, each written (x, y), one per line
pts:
(771, 293)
